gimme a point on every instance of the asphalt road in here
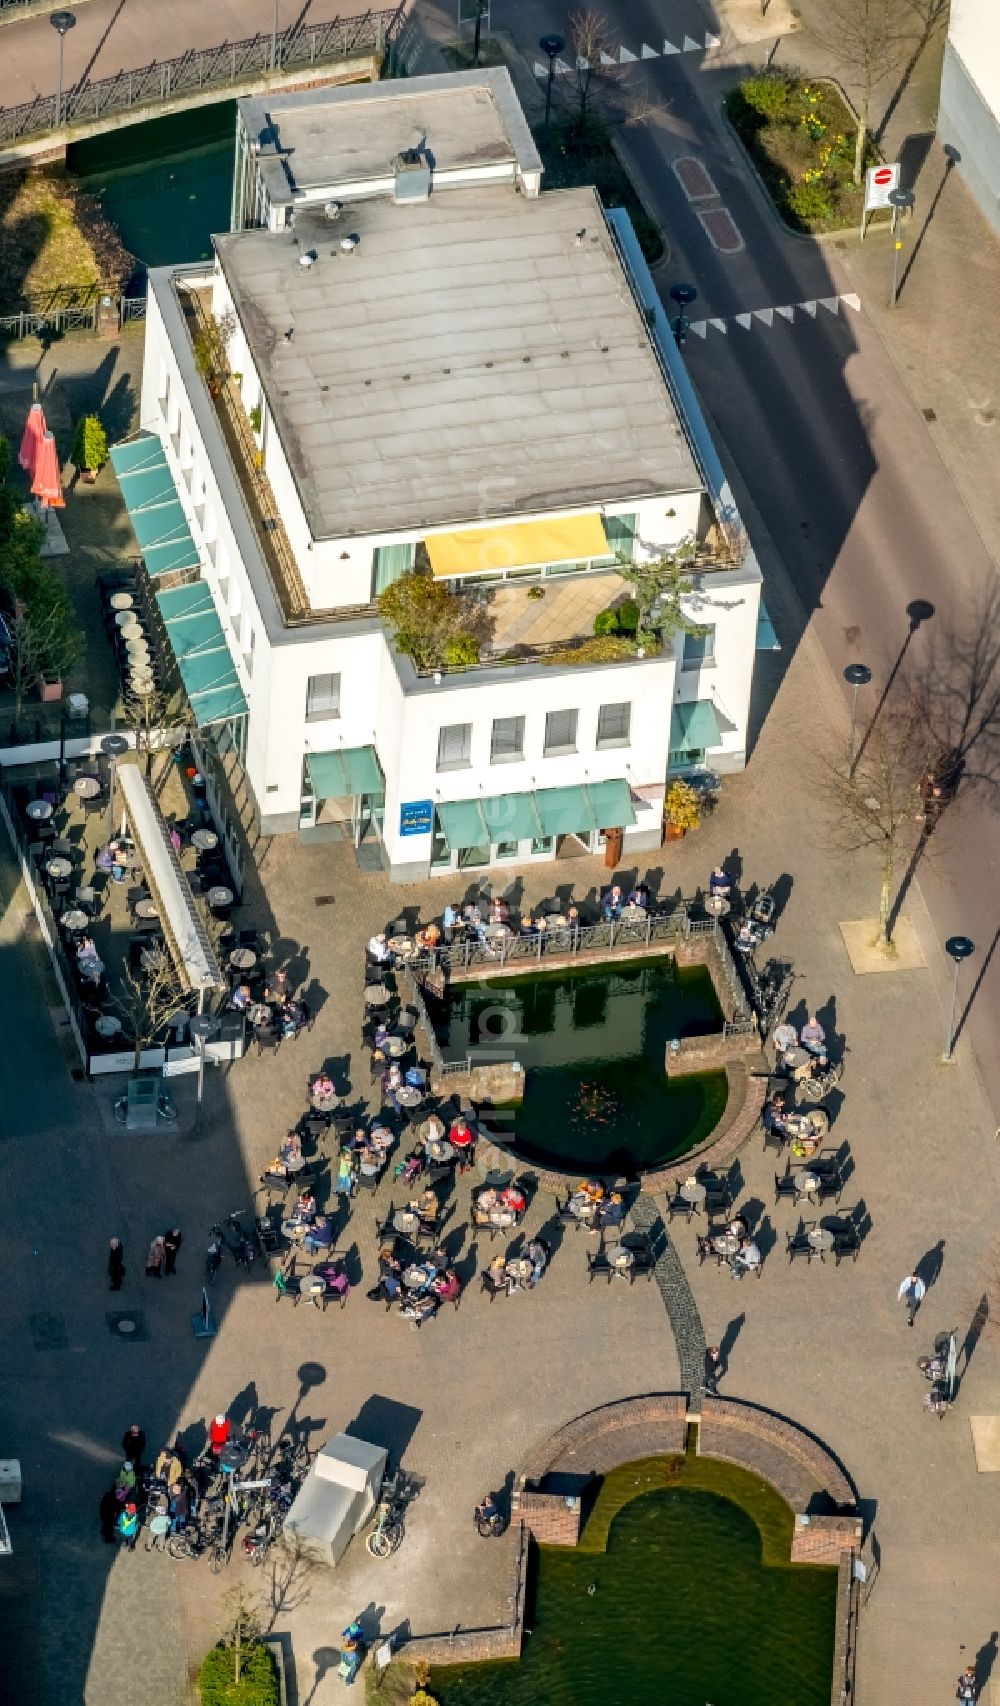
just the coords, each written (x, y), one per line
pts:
(821, 431)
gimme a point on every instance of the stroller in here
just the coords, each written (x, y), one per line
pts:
(816, 1080)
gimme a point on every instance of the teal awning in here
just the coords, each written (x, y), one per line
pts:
(767, 639)
(203, 657)
(565, 811)
(612, 803)
(512, 817)
(530, 817)
(349, 770)
(694, 726)
(462, 824)
(150, 495)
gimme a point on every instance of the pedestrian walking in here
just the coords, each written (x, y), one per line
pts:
(218, 1434)
(180, 1507)
(133, 1445)
(172, 1242)
(168, 1466)
(116, 1264)
(155, 1259)
(713, 1370)
(213, 1259)
(966, 1688)
(127, 1526)
(911, 1292)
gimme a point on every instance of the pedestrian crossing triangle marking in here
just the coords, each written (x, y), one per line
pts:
(649, 52)
(852, 301)
(626, 57)
(668, 47)
(810, 307)
(606, 58)
(581, 63)
(765, 314)
(786, 310)
(712, 41)
(744, 320)
(830, 303)
(720, 325)
(689, 45)
(540, 70)
(789, 313)
(562, 69)
(699, 327)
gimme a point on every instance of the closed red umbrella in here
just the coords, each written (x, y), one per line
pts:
(34, 432)
(47, 482)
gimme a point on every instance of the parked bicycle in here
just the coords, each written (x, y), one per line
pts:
(387, 1534)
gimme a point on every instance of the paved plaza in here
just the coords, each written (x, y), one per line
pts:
(464, 1399)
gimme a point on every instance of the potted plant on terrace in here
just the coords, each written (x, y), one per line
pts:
(211, 342)
(90, 447)
(680, 810)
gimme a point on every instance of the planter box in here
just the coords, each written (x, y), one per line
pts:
(50, 688)
(275, 1645)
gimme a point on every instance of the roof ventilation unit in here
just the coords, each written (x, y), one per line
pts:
(412, 176)
(349, 244)
(308, 258)
(332, 210)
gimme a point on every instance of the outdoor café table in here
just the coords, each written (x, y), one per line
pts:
(404, 947)
(806, 1182)
(497, 932)
(313, 1289)
(405, 1221)
(107, 1025)
(219, 896)
(204, 840)
(820, 1237)
(796, 1059)
(129, 859)
(376, 995)
(86, 787)
(727, 1244)
(693, 1191)
(408, 1096)
(121, 601)
(259, 1013)
(125, 619)
(243, 959)
(633, 915)
(396, 1047)
(75, 919)
(502, 1217)
(717, 905)
(554, 921)
(39, 810)
(619, 1257)
(323, 1104)
(418, 1276)
(146, 908)
(519, 1269)
(59, 867)
(439, 1149)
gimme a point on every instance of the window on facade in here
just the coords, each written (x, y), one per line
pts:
(322, 697)
(560, 732)
(699, 649)
(454, 746)
(620, 530)
(388, 563)
(507, 740)
(613, 724)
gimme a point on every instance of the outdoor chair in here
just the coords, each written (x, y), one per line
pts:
(599, 1266)
(846, 1243)
(719, 1197)
(268, 1039)
(786, 1184)
(494, 1288)
(680, 1205)
(63, 849)
(568, 1218)
(86, 900)
(797, 1244)
(643, 1259)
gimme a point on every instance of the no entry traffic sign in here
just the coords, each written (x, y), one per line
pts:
(879, 181)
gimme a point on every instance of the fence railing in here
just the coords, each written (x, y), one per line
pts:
(35, 322)
(200, 70)
(503, 949)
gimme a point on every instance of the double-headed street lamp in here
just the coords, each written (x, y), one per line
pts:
(552, 47)
(958, 948)
(683, 295)
(856, 675)
(899, 201)
(62, 23)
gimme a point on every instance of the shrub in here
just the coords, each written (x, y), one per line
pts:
(258, 1684)
(628, 616)
(429, 621)
(422, 1698)
(606, 622)
(90, 444)
(604, 648)
(770, 95)
(810, 203)
(256, 417)
(463, 649)
(680, 808)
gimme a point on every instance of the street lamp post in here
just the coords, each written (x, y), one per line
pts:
(202, 1026)
(112, 747)
(62, 23)
(899, 200)
(856, 675)
(552, 47)
(274, 36)
(958, 948)
(683, 295)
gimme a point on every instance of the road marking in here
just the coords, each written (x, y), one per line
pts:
(649, 52)
(787, 311)
(627, 57)
(694, 178)
(721, 229)
(668, 47)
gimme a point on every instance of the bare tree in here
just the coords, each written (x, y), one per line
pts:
(876, 803)
(149, 999)
(30, 642)
(146, 714)
(596, 70)
(243, 1625)
(929, 16)
(870, 39)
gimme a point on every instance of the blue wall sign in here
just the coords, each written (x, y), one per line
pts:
(416, 817)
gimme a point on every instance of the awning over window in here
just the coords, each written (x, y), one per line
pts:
(767, 639)
(521, 545)
(694, 726)
(533, 816)
(154, 508)
(191, 949)
(349, 770)
(203, 657)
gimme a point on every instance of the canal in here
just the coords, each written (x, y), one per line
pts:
(164, 185)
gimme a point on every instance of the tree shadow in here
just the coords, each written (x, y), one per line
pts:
(932, 14)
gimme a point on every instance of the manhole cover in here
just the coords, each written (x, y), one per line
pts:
(126, 1324)
(49, 1332)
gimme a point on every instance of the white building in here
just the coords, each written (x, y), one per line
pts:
(969, 114)
(435, 366)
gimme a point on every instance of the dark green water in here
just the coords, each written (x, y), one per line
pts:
(593, 1043)
(165, 185)
(695, 1604)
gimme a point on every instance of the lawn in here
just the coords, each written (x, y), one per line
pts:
(55, 244)
(801, 137)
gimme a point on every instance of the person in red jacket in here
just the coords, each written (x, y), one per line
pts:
(218, 1434)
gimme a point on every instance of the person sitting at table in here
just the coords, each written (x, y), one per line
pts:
(293, 1017)
(774, 1117)
(373, 1157)
(241, 997)
(784, 1037)
(378, 949)
(287, 1161)
(392, 1083)
(343, 1182)
(318, 1236)
(719, 884)
(499, 910)
(88, 961)
(484, 1203)
(304, 1211)
(451, 918)
(529, 927)
(611, 1210)
(497, 1277)
(639, 897)
(812, 1036)
(461, 1139)
(593, 1189)
(420, 1309)
(427, 1208)
(536, 1251)
(611, 904)
(428, 938)
(447, 1286)
(747, 1260)
(513, 1197)
(277, 987)
(412, 1166)
(322, 1088)
(390, 1284)
(583, 1207)
(106, 856)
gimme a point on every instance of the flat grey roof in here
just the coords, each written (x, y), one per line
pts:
(333, 135)
(477, 354)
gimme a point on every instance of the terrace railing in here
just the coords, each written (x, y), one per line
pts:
(200, 71)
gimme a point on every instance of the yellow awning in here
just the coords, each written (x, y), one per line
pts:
(520, 545)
